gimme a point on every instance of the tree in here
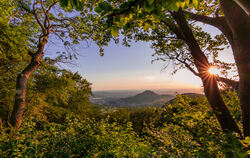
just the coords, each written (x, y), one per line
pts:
(137, 17)
(240, 27)
(236, 28)
(13, 47)
(209, 81)
(49, 23)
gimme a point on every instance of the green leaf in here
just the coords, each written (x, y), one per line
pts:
(175, 6)
(114, 31)
(130, 16)
(127, 26)
(195, 3)
(155, 16)
(150, 2)
(145, 4)
(167, 4)
(146, 26)
(150, 8)
(98, 9)
(75, 3)
(78, 5)
(105, 6)
(182, 4)
(247, 140)
(123, 20)
(64, 3)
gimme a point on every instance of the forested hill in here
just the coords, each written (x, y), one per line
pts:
(189, 95)
(147, 97)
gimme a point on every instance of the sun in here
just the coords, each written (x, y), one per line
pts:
(214, 70)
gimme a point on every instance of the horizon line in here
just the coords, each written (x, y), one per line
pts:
(171, 89)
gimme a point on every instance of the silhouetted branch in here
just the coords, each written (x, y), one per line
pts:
(175, 29)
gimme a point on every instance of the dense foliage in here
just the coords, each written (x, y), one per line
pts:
(73, 138)
(184, 128)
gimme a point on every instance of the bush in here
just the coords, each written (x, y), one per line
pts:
(74, 138)
(188, 128)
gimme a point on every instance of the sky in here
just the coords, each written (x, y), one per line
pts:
(130, 68)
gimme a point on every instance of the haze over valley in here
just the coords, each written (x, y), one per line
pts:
(137, 98)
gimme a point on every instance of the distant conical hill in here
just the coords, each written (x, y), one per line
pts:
(147, 97)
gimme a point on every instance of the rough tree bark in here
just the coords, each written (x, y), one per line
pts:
(211, 90)
(21, 83)
(239, 22)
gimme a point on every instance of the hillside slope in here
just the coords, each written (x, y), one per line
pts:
(146, 98)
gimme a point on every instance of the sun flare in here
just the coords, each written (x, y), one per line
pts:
(214, 70)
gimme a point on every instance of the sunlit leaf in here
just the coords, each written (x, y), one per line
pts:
(195, 3)
(114, 31)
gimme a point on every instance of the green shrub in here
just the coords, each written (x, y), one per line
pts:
(74, 138)
(188, 128)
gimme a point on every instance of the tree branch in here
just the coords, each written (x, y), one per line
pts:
(175, 29)
(217, 21)
(55, 32)
(234, 84)
(52, 6)
(42, 6)
(25, 7)
(188, 66)
(37, 18)
(46, 12)
(46, 22)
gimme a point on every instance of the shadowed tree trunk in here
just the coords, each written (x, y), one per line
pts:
(21, 83)
(239, 23)
(245, 5)
(209, 81)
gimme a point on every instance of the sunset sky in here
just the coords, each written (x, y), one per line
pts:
(130, 68)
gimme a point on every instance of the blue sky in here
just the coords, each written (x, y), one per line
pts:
(129, 68)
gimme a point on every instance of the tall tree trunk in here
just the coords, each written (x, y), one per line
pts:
(209, 81)
(21, 83)
(239, 23)
(245, 5)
